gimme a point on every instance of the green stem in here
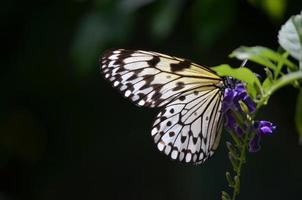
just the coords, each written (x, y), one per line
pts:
(283, 81)
(241, 162)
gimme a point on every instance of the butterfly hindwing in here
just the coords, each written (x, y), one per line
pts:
(188, 129)
(188, 126)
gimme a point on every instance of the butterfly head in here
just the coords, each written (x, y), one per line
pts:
(230, 82)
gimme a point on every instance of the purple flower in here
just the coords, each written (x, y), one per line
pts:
(265, 128)
(249, 103)
(231, 104)
(254, 144)
(237, 104)
(232, 97)
(262, 128)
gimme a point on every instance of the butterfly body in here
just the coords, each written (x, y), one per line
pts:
(190, 96)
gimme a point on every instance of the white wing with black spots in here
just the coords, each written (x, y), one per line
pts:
(189, 124)
(153, 79)
(188, 129)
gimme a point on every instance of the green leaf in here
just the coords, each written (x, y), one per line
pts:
(165, 17)
(290, 36)
(269, 73)
(232, 150)
(242, 74)
(280, 65)
(209, 27)
(234, 161)
(132, 5)
(237, 180)
(225, 196)
(230, 180)
(261, 55)
(275, 9)
(298, 116)
(235, 139)
(94, 34)
(267, 83)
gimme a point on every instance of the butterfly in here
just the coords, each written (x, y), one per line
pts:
(189, 124)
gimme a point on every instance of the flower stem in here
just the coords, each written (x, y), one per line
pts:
(242, 159)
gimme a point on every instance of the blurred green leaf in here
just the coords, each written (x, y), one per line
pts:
(132, 5)
(234, 162)
(225, 196)
(242, 74)
(165, 17)
(261, 55)
(232, 150)
(98, 29)
(298, 116)
(230, 179)
(212, 18)
(275, 9)
(235, 139)
(290, 36)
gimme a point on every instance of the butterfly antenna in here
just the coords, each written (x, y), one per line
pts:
(243, 63)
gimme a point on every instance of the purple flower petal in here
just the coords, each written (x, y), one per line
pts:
(240, 88)
(228, 95)
(254, 144)
(242, 95)
(230, 120)
(265, 123)
(239, 131)
(250, 104)
(265, 128)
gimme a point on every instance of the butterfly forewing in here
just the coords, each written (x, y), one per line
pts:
(153, 79)
(189, 124)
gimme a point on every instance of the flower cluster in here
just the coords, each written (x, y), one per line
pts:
(237, 107)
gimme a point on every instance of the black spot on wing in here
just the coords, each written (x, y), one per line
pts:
(179, 86)
(180, 66)
(182, 98)
(153, 62)
(171, 134)
(183, 139)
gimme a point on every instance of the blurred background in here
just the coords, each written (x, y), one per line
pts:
(66, 134)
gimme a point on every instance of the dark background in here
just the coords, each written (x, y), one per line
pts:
(66, 134)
